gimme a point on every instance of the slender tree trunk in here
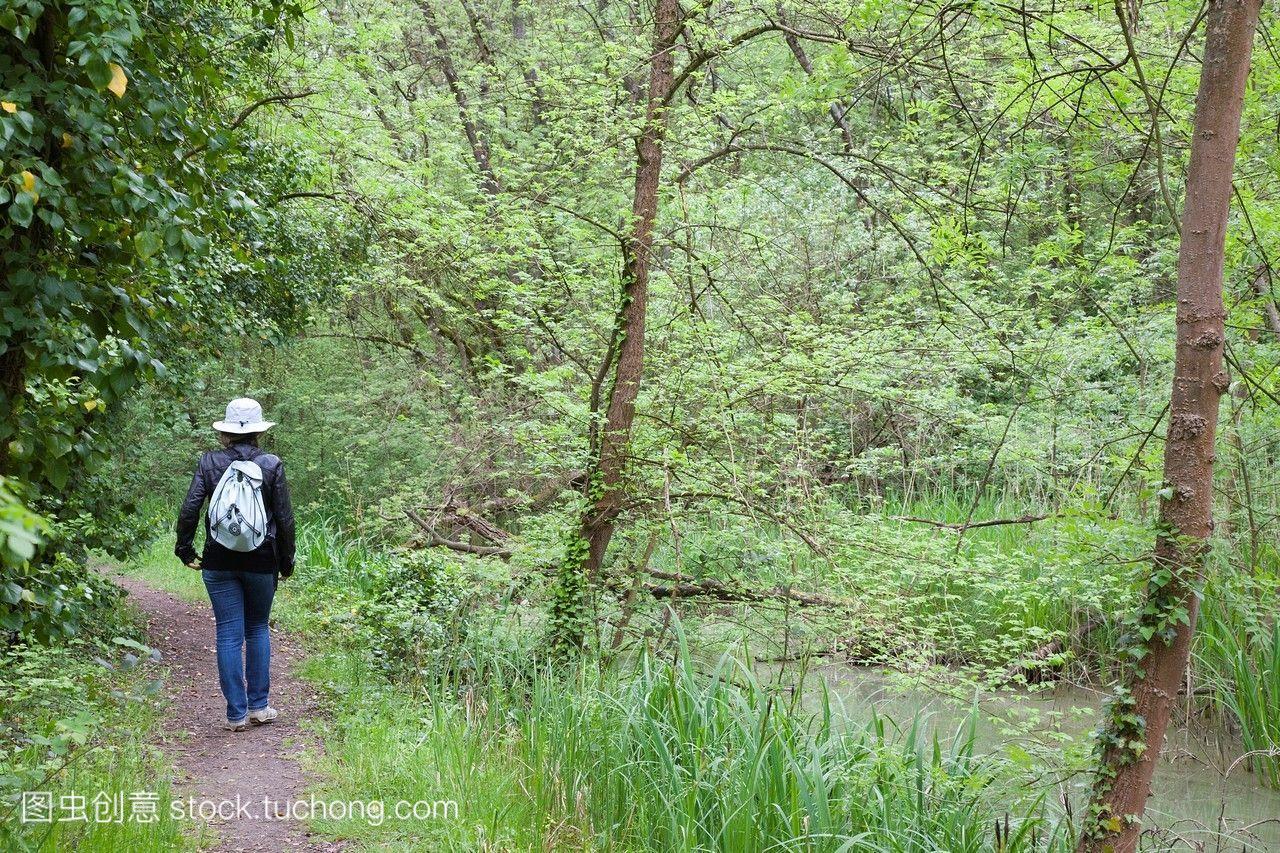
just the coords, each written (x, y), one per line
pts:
(1134, 732)
(615, 439)
(475, 137)
(1262, 287)
(520, 32)
(835, 108)
(604, 488)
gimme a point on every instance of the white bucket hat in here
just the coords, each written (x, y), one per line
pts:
(244, 416)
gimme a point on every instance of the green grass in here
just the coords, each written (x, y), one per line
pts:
(158, 567)
(1241, 653)
(656, 757)
(78, 722)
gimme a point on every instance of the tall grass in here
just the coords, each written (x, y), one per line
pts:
(1242, 655)
(336, 560)
(664, 757)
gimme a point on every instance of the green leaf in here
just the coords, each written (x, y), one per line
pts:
(147, 243)
(22, 209)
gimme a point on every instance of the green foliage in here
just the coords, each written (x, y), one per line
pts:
(75, 719)
(48, 601)
(662, 757)
(139, 227)
(567, 614)
(960, 313)
(411, 623)
(20, 529)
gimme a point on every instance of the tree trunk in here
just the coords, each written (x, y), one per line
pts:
(604, 495)
(1262, 287)
(1139, 715)
(615, 440)
(475, 137)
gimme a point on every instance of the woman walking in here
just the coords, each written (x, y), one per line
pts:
(248, 547)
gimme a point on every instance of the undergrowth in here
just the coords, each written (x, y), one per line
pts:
(78, 770)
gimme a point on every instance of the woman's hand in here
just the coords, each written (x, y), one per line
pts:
(194, 564)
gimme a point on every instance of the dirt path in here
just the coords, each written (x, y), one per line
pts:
(218, 766)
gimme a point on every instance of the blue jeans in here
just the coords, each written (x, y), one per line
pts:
(241, 607)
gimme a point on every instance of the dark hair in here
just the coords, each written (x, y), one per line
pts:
(242, 438)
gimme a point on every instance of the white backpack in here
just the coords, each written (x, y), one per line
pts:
(237, 515)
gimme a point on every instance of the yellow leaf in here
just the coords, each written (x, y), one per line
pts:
(90, 405)
(66, 140)
(28, 182)
(9, 106)
(118, 80)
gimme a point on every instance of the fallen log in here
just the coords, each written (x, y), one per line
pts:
(681, 586)
(1029, 665)
(464, 517)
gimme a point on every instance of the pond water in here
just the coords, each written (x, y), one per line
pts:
(1193, 797)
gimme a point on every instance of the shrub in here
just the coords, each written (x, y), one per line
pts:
(410, 622)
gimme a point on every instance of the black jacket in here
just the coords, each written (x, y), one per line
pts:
(276, 554)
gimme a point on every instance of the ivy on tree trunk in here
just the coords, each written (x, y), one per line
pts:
(1160, 639)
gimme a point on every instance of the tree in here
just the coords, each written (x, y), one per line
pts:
(1134, 731)
(586, 550)
(133, 235)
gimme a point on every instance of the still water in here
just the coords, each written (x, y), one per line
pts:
(1195, 802)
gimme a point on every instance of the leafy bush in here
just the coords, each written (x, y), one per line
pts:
(410, 624)
(50, 601)
(397, 610)
(20, 529)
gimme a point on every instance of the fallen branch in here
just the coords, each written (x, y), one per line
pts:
(970, 525)
(683, 587)
(434, 539)
(278, 98)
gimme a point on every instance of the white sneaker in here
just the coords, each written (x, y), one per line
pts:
(263, 715)
(236, 725)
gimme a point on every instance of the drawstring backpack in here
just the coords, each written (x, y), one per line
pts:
(237, 514)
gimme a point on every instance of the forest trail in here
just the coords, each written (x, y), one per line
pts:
(220, 766)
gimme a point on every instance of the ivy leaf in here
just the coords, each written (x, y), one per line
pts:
(118, 80)
(9, 106)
